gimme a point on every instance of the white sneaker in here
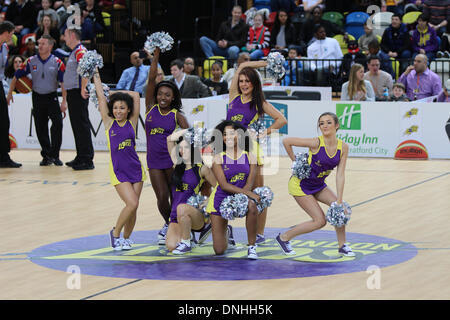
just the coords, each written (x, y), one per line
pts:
(182, 248)
(251, 253)
(162, 234)
(346, 251)
(126, 244)
(118, 244)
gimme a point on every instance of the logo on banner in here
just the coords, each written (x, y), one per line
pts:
(411, 149)
(349, 116)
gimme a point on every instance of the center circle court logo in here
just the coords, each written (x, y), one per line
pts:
(316, 255)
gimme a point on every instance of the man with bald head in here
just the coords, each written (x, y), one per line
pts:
(419, 81)
(134, 78)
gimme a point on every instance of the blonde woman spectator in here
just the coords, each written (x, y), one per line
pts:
(357, 89)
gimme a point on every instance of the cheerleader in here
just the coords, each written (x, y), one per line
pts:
(325, 153)
(163, 116)
(247, 105)
(120, 116)
(187, 179)
(235, 170)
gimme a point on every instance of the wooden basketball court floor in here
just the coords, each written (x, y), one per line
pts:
(403, 200)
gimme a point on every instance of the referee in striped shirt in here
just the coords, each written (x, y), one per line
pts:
(46, 72)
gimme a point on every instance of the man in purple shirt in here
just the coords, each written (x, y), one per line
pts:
(419, 81)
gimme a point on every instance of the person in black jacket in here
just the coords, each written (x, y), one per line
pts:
(307, 33)
(23, 14)
(283, 34)
(353, 56)
(231, 37)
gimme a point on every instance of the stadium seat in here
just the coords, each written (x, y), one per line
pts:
(106, 18)
(411, 17)
(342, 43)
(335, 17)
(307, 95)
(379, 38)
(396, 67)
(380, 21)
(354, 24)
(268, 94)
(208, 62)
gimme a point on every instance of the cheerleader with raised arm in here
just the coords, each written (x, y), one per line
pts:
(120, 116)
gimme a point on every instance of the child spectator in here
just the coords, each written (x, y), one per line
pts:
(353, 56)
(216, 84)
(291, 66)
(366, 38)
(424, 39)
(398, 93)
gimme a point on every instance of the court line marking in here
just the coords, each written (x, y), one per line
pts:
(358, 204)
(111, 289)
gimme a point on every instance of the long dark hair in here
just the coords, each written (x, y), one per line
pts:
(120, 96)
(196, 161)
(257, 93)
(277, 24)
(244, 141)
(176, 103)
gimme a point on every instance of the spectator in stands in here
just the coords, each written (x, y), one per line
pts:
(47, 10)
(31, 49)
(189, 86)
(216, 84)
(310, 5)
(324, 48)
(49, 26)
(63, 14)
(356, 88)
(307, 33)
(381, 81)
(228, 76)
(366, 38)
(413, 5)
(385, 60)
(291, 66)
(189, 66)
(444, 96)
(353, 56)
(92, 18)
(424, 39)
(419, 81)
(394, 6)
(134, 78)
(283, 32)
(231, 37)
(398, 93)
(22, 13)
(439, 13)
(396, 41)
(258, 39)
(14, 63)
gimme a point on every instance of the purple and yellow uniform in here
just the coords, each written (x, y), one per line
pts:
(158, 127)
(124, 164)
(322, 164)
(236, 172)
(191, 185)
(243, 113)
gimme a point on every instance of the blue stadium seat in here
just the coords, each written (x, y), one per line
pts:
(261, 4)
(354, 23)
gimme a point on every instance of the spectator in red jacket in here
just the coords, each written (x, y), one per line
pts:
(258, 39)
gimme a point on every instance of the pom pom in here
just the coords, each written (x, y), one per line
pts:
(266, 195)
(93, 93)
(161, 40)
(88, 63)
(300, 167)
(198, 201)
(258, 127)
(338, 215)
(275, 65)
(197, 136)
(234, 206)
